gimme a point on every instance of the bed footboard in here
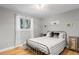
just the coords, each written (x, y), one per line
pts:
(38, 50)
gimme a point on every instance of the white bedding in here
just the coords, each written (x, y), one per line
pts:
(48, 45)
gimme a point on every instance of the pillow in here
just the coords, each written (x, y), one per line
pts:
(48, 34)
(56, 35)
(61, 35)
(51, 34)
(44, 34)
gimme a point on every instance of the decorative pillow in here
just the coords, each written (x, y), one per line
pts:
(48, 34)
(61, 35)
(44, 34)
(56, 35)
(51, 34)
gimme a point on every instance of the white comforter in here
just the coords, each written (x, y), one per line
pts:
(55, 45)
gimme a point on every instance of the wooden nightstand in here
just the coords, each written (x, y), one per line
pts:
(74, 43)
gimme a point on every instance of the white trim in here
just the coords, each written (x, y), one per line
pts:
(20, 45)
(1, 50)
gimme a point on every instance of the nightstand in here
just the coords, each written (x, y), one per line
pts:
(74, 43)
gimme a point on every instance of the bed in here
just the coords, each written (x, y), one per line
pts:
(48, 45)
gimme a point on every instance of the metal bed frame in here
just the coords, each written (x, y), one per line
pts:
(36, 50)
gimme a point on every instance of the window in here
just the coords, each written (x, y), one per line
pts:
(25, 23)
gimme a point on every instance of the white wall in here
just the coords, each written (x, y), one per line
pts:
(71, 17)
(6, 28)
(37, 27)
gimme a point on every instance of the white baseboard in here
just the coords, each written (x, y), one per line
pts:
(18, 45)
(1, 50)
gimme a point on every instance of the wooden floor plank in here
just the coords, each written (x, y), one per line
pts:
(21, 51)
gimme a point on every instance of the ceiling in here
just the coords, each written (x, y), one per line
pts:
(48, 10)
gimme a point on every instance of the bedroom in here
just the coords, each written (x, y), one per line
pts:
(21, 22)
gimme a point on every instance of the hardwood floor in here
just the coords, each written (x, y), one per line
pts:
(21, 51)
(17, 51)
(69, 52)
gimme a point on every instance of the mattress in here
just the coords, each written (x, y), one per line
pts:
(48, 45)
